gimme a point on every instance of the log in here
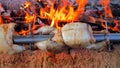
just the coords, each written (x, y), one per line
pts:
(76, 58)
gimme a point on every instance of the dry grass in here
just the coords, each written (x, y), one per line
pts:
(78, 58)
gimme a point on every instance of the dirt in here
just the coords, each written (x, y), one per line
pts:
(76, 58)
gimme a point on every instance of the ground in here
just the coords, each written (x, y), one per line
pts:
(76, 58)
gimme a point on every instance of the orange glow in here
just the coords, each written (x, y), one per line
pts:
(1, 20)
(39, 0)
(107, 10)
(27, 4)
(116, 26)
(29, 18)
(23, 32)
(108, 14)
(64, 13)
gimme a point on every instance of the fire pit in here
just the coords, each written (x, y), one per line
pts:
(59, 28)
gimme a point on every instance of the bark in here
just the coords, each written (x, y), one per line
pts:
(76, 58)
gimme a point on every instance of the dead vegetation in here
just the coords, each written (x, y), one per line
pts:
(76, 58)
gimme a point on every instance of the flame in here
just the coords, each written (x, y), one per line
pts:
(107, 9)
(65, 12)
(116, 26)
(108, 14)
(23, 32)
(29, 18)
(27, 4)
(1, 20)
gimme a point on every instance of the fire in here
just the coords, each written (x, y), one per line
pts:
(29, 18)
(27, 4)
(116, 26)
(23, 32)
(107, 10)
(108, 14)
(65, 12)
(1, 20)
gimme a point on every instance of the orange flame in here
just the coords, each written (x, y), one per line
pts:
(116, 26)
(108, 12)
(1, 20)
(27, 4)
(23, 32)
(29, 18)
(64, 13)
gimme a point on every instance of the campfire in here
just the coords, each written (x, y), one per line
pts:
(57, 25)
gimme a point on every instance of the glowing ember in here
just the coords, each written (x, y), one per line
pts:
(1, 20)
(64, 13)
(29, 18)
(27, 4)
(23, 32)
